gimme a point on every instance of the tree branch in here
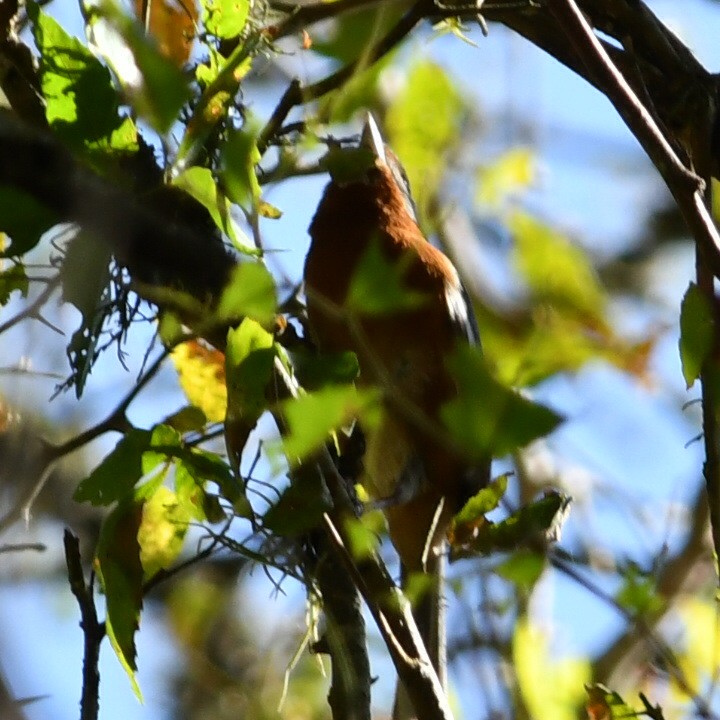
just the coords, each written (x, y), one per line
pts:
(93, 630)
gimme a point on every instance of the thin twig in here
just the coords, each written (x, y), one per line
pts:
(33, 310)
(22, 547)
(295, 94)
(93, 630)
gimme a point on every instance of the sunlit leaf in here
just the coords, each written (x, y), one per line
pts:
(82, 104)
(14, 279)
(511, 174)
(201, 372)
(117, 563)
(189, 493)
(165, 442)
(362, 537)
(225, 18)
(550, 688)
(486, 418)
(697, 333)
(249, 358)
(423, 122)
(201, 184)
(222, 80)
(312, 417)
(539, 521)
(556, 271)
(162, 530)
(485, 500)
(251, 293)
(240, 157)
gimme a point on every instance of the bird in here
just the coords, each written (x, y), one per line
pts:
(411, 469)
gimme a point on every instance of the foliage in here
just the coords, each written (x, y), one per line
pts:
(164, 130)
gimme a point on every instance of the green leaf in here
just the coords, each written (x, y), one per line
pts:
(120, 570)
(605, 704)
(512, 173)
(82, 104)
(300, 507)
(249, 358)
(168, 442)
(222, 83)
(539, 521)
(313, 417)
(115, 477)
(523, 568)
(24, 220)
(190, 492)
(251, 293)
(363, 539)
(315, 371)
(187, 419)
(486, 418)
(424, 122)
(12, 279)
(225, 18)
(483, 502)
(556, 271)
(156, 88)
(162, 530)
(697, 333)
(639, 594)
(85, 276)
(240, 156)
(200, 184)
(378, 285)
(205, 466)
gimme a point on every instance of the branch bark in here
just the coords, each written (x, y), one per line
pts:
(93, 630)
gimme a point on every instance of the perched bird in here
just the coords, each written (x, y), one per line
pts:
(411, 468)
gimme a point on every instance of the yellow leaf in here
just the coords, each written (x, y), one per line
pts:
(700, 657)
(162, 531)
(201, 372)
(551, 688)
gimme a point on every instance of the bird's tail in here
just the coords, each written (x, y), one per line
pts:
(429, 614)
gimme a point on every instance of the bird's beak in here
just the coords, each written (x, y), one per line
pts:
(372, 139)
